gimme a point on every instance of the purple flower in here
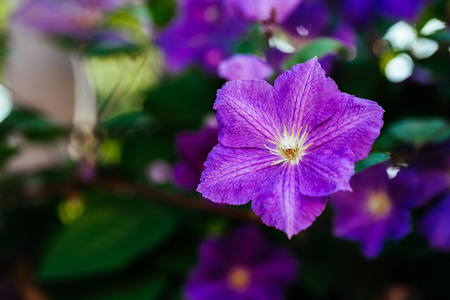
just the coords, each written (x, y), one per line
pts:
(428, 175)
(193, 149)
(78, 19)
(362, 12)
(241, 66)
(429, 172)
(264, 10)
(289, 146)
(377, 209)
(308, 20)
(203, 33)
(436, 224)
(243, 266)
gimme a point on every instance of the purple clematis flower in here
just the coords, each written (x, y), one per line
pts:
(362, 12)
(377, 209)
(240, 66)
(203, 33)
(309, 19)
(264, 10)
(193, 149)
(243, 266)
(429, 172)
(436, 224)
(78, 19)
(428, 175)
(289, 146)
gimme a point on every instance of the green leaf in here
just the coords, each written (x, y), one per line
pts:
(370, 160)
(317, 48)
(128, 121)
(252, 43)
(5, 153)
(420, 131)
(32, 126)
(162, 11)
(105, 238)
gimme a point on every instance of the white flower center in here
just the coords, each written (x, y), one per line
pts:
(289, 147)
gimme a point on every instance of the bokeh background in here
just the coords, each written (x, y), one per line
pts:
(106, 119)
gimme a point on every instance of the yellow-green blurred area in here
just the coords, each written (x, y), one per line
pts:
(120, 80)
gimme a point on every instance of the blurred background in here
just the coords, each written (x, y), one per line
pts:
(106, 119)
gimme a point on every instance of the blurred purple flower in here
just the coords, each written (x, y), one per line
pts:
(429, 173)
(436, 224)
(243, 266)
(203, 33)
(193, 149)
(78, 19)
(264, 10)
(240, 66)
(289, 146)
(363, 12)
(309, 19)
(377, 209)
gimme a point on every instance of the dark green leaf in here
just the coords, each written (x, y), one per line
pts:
(317, 48)
(162, 11)
(5, 153)
(32, 126)
(420, 131)
(128, 121)
(370, 160)
(105, 238)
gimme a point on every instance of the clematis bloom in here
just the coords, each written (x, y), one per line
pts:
(377, 209)
(243, 266)
(287, 147)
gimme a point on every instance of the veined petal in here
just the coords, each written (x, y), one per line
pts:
(246, 114)
(355, 126)
(326, 170)
(304, 96)
(233, 175)
(280, 204)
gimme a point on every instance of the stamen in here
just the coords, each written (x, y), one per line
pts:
(289, 147)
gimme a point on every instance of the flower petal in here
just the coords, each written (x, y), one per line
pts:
(305, 96)
(436, 224)
(246, 114)
(280, 203)
(233, 175)
(240, 66)
(261, 10)
(326, 170)
(356, 126)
